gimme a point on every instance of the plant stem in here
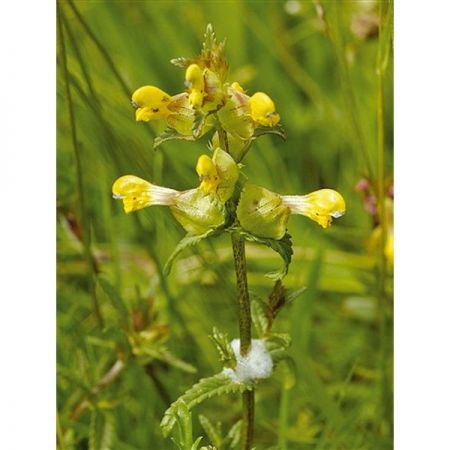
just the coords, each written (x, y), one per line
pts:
(245, 333)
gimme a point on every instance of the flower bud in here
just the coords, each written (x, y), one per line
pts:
(262, 110)
(151, 103)
(321, 206)
(262, 212)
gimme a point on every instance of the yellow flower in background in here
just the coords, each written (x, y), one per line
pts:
(262, 110)
(137, 193)
(321, 206)
(151, 103)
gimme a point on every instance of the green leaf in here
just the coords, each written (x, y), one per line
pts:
(278, 340)
(187, 241)
(282, 246)
(234, 435)
(199, 122)
(214, 433)
(101, 431)
(259, 316)
(170, 134)
(206, 388)
(113, 295)
(161, 353)
(278, 130)
(223, 346)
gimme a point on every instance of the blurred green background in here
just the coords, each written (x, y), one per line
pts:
(318, 62)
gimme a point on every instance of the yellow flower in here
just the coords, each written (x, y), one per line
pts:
(204, 87)
(195, 82)
(321, 206)
(196, 211)
(151, 103)
(207, 172)
(137, 193)
(262, 109)
(218, 175)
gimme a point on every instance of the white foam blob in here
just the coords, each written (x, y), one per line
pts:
(256, 365)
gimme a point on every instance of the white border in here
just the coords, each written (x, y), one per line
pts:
(27, 224)
(422, 225)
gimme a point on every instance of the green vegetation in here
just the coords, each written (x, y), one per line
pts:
(132, 339)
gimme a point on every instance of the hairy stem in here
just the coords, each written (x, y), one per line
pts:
(245, 333)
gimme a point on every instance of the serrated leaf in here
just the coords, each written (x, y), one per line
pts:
(277, 299)
(214, 435)
(198, 124)
(282, 246)
(170, 134)
(259, 316)
(206, 388)
(280, 340)
(278, 130)
(291, 295)
(223, 346)
(187, 241)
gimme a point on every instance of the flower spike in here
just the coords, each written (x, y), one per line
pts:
(321, 206)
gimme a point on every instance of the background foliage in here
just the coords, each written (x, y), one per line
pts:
(130, 339)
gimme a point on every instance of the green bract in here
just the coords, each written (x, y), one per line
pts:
(228, 173)
(262, 212)
(198, 212)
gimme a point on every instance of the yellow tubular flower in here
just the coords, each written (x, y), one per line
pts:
(207, 172)
(321, 206)
(196, 84)
(151, 103)
(137, 193)
(262, 109)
